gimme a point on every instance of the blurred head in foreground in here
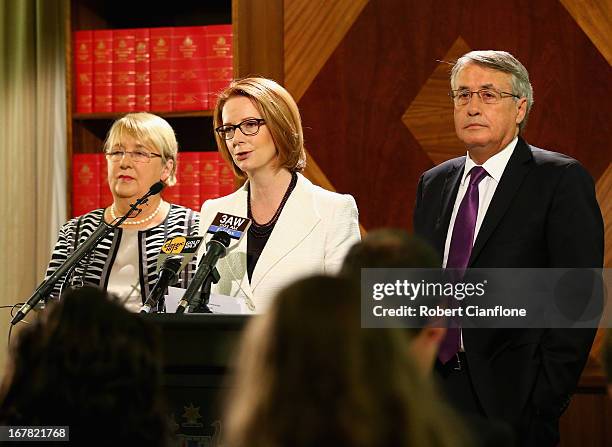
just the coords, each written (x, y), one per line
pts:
(395, 249)
(308, 374)
(89, 364)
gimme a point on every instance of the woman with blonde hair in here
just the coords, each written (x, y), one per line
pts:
(308, 375)
(297, 228)
(141, 149)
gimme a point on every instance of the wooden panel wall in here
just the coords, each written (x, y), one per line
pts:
(364, 110)
(372, 93)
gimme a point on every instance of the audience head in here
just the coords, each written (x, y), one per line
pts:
(90, 364)
(308, 374)
(395, 248)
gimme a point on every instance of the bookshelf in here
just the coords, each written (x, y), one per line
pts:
(257, 29)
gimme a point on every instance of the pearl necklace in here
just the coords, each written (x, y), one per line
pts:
(136, 222)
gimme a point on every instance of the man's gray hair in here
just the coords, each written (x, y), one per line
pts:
(502, 61)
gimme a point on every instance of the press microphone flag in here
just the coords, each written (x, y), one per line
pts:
(235, 226)
(184, 246)
(175, 254)
(45, 288)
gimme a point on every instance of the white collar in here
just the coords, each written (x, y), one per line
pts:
(495, 165)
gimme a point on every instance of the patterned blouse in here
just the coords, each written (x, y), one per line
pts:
(94, 269)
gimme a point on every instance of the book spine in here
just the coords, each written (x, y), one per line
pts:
(190, 84)
(143, 77)
(161, 67)
(226, 177)
(124, 71)
(190, 180)
(83, 71)
(103, 71)
(106, 197)
(85, 183)
(209, 175)
(220, 51)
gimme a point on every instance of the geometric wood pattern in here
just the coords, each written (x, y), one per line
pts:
(595, 19)
(313, 29)
(381, 73)
(603, 189)
(430, 115)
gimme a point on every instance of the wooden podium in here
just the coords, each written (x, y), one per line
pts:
(197, 349)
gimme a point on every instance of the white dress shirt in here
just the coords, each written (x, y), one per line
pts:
(495, 167)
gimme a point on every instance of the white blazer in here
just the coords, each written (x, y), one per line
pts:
(315, 230)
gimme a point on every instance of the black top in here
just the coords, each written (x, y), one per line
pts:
(258, 235)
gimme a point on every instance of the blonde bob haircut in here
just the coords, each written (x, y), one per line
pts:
(282, 116)
(152, 131)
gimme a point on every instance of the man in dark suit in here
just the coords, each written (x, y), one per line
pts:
(509, 205)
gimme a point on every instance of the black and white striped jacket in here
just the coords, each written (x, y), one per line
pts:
(95, 268)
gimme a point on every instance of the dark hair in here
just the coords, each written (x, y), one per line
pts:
(90, 364)
(308, 374)
(390, 248)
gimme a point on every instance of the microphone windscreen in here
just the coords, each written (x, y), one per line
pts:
(173, 263)
(222, 237)
(156, 188)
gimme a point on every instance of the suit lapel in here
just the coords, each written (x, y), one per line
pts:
(237, 253)
(512, 178)
(449, 193)
(297, 220)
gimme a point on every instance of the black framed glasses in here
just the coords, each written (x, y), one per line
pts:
(249, 126)
(487, 96)
(138, 156)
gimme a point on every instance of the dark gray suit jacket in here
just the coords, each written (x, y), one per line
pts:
(543, 214)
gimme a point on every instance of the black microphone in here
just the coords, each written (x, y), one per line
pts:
(167, 274)
(155, 189)
(215, 249)
(45, 288)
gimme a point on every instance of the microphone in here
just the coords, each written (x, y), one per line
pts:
(154, 189)
(45, 288)
(167, 274)
(178, 251)
(215, 249)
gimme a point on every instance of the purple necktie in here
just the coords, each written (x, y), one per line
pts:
(459, 253)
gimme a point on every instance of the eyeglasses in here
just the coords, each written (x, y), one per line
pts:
(249, 127)
(487, 96)
(138, 156)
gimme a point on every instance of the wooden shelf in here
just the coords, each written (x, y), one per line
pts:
(116, 115)
(250, 20)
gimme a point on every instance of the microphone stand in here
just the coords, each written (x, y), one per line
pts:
(199, 305)
(45, 288)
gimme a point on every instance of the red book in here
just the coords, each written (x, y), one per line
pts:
(124, 71)
(226, 177)
(143, 79)
(171, 194)
(103, 71)
(189, 190)
(83, 71)
(85, 183)
(209, 175)
(190, 84)
(106, 198)
(161, 66)
(219, 48)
